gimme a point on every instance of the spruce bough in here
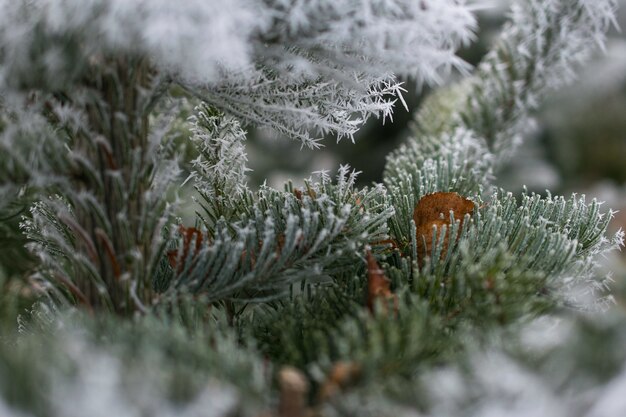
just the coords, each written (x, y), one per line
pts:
(325, 299)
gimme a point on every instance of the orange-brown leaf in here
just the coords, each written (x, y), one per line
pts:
(439, 205)
(434, 210)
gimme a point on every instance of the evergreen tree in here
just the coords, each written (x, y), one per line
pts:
(433, 293)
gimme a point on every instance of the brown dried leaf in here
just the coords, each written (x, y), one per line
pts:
(434, 210)
(190, 235)
(377, 284)
(309, 191)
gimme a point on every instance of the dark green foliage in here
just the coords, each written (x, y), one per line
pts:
(299, 332)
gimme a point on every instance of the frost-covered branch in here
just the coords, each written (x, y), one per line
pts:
(220, 168)
(538, 52)
(259, 60)
(272, 238)
(464, 132)
(367, 296)
(302, 107)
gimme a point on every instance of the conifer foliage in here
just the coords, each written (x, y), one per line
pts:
(325, 299)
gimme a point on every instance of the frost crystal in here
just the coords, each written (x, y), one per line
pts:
(221, 166)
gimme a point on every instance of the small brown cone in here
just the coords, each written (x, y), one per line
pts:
(434, 210)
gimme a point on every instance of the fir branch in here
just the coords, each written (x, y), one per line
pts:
(493, 106)
(101, 238)
(554, 38)
(296, 108)
(282, 238)
(451, 150)
(543, 247)
(220, 169)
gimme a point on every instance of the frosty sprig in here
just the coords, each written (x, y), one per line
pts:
(254, 245)
(463, 133)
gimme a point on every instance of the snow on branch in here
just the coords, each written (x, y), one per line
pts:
(49, 43)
